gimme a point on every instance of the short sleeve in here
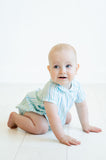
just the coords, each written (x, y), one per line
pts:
(50, 93)
(80, 95)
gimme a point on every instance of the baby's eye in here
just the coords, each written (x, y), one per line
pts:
(56, 66)
(68, 66)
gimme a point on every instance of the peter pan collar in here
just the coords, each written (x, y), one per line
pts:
(63, 88)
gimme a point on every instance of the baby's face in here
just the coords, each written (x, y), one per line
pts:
(63, 67)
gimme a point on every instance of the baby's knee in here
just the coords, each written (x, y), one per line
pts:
(44, 128)
(41, 128)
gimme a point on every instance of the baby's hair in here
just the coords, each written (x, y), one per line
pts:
(61, 47)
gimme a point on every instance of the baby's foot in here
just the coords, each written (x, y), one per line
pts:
(10, 122)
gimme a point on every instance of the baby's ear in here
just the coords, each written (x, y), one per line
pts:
(48, 67)
(77, 67)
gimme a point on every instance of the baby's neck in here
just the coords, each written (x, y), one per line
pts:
(68, 86)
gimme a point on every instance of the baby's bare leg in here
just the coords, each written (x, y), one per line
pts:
(68, 118)
(30, 122)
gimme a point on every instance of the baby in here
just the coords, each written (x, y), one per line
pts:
(48, 108)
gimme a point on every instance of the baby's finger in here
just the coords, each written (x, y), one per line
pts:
(66, 142)
(75, 142)
(95, 129)
(86, 130)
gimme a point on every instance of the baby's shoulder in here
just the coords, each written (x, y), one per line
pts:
(50, 87)
(49, 93)
(76, 83)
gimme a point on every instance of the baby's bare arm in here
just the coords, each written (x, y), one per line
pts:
(56, 126)
(82, 110)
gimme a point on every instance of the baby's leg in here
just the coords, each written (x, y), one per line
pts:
(68, 118)
(30, 122)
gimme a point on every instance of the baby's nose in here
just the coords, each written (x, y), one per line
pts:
(62, 70)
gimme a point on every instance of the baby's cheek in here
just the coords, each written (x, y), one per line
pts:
(53, 75)
(71, 72)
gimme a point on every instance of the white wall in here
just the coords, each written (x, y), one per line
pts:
(29, 28)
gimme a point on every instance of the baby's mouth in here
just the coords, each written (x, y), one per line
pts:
(62, 77)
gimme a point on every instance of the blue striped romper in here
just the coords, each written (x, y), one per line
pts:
(54, 93)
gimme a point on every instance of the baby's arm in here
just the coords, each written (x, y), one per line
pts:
(56, 126)
(82, 110)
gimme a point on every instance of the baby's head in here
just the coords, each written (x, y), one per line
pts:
(62, 64)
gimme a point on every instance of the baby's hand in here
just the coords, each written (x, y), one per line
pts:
(91, 129)
(68, 140)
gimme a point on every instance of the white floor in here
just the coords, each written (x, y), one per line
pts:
(16, 144)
